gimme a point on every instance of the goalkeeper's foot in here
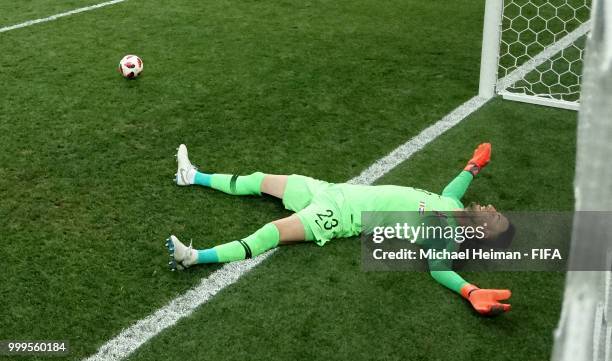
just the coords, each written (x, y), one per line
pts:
(181, 256)
(186, 171)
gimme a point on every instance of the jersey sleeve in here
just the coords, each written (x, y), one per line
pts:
(442, 272)
(457, 187)
(449, 279)
(442, 269)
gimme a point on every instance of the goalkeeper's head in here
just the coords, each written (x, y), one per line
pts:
(497, 229)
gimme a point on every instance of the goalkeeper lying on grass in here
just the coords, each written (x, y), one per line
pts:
(325, 211)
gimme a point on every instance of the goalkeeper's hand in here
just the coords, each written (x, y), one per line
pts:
(486, 302)
(481, 157)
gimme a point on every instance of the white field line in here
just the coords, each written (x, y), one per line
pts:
(57, 16)
(131, 338)
(406, 150)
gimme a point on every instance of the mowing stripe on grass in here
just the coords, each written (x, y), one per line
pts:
(131, 338)
(57, 16)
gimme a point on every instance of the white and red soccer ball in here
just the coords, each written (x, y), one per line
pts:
(130, 66)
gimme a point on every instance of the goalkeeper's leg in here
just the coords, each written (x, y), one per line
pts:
(252, 184)
(283, 231)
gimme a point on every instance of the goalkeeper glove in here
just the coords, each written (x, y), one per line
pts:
(480, 159)
(486, 302)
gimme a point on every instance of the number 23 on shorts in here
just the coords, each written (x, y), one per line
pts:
(326, 220)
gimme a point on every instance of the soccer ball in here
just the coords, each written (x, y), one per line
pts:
(130, 66)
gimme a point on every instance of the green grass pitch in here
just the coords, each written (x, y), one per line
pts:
(313, 87)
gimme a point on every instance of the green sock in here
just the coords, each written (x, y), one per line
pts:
(238, 185)
(265, 238)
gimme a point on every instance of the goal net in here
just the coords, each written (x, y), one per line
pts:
(533, 50)
(585, 327)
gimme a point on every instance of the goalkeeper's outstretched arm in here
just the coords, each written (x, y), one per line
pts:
(484, 301)
(457, 187)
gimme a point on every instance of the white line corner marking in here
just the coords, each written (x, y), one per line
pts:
(57, 16)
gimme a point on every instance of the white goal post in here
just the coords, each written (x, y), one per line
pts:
(533, 50)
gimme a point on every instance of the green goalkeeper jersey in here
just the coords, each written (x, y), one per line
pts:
(395, 198)
(334, 210)
(390, 198)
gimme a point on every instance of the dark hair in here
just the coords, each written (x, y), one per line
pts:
(502, 241)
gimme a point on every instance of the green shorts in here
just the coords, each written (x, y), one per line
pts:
(321, 207)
